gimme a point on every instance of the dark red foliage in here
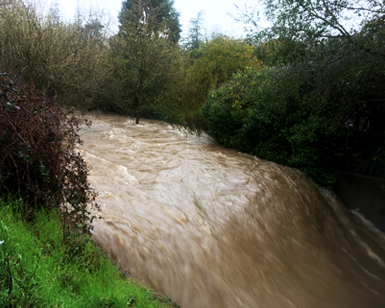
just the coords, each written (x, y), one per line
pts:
(38, 155)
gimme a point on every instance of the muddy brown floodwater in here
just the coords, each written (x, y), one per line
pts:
(211, 227)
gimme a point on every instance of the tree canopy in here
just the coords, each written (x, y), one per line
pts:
(212, 65)
(195, 36)
(165, 11)
(319, 100)
(305, 19)
(219, 59)
(301, 26)
(141, 55)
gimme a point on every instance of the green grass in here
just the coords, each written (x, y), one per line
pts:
(42, 267)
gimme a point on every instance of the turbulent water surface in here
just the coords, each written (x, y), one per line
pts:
(211, 227)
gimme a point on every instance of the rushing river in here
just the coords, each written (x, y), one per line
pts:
(213, 228)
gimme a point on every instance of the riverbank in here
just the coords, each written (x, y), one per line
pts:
(42, 267)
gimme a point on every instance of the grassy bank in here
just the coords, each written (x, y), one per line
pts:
(42, 267)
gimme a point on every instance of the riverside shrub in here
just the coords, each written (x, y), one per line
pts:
(38, 155)
(265, 113)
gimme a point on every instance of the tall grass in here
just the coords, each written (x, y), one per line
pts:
(39, 267)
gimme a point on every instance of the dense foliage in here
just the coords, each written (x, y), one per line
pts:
(66, 60)
(318, 102)
(165, 11)
(38, 156)
(260, 114)
(141, 57)
(212, 65)
(219, 59)
(308, 90)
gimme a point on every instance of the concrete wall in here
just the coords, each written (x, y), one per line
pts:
(365, 193)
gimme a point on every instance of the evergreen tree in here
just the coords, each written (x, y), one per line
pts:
(143, 52)
(165, 10)
(195, 36)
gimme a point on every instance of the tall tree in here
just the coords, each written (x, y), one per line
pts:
(218, 60)
(195, 35)
(164, 9)
(143, 50)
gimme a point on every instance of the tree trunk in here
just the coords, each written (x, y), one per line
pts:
(137, 107)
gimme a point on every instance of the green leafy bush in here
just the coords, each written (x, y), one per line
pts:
(196, 73)
(266, 113)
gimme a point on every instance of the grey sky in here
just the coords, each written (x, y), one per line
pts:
(216, 12)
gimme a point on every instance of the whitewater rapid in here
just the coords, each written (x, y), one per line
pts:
(211, 227)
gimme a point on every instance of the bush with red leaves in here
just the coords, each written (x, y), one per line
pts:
(38, 156)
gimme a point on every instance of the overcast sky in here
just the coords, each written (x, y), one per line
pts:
(216, 12)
